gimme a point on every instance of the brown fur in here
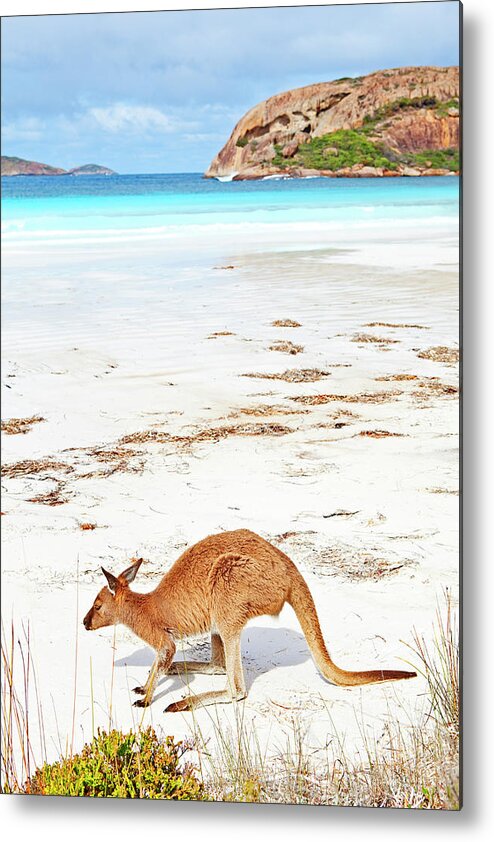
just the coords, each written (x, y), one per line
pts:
(218, 585)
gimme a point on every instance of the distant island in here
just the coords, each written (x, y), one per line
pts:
(19, 166)
(401, 122)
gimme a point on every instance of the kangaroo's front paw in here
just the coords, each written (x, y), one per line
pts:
(140, 690)
(182, 704)
(141, 703)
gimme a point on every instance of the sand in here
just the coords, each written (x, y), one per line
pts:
(113, 350)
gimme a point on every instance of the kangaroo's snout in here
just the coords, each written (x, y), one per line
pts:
(87, 621)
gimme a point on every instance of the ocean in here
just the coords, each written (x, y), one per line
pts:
(99, 207)
(83, 257)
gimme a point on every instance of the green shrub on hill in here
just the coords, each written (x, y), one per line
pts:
(340, 149)
(444, 159)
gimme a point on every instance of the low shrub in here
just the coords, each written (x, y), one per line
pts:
(118, 765)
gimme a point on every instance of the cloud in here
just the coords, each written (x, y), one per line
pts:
(121, 117)
(23, 129)
(175, 83)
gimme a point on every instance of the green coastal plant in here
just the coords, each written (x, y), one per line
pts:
(340, 149)
(445, 159)
(119, 765)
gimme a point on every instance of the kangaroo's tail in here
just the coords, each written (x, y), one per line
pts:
(300, 599)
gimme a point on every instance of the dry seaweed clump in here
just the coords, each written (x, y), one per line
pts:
(16, 426)
(145, 437)
(293, 375)
(56, 497)
(113, 454)
(438, 490)
(356, 565)
(217, 433)
(265, 409)
(397, 377)
(364, 397)
(285, 323)
(210, 434)
(362, 338)
(33, 467)
(440, 354)
(391, 324)
(432, 388)
(378, 434)
(87, 527)
(286, 347)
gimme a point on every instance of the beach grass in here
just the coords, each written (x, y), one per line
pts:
(411, 766)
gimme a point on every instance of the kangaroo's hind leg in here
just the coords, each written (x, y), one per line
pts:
(216, 666)
(235, 690)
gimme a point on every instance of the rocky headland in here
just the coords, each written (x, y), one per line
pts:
(21, 166)
(401, 122)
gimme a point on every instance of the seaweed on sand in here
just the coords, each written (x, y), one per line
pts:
(33, 467)
(286, 347)
(440, 354)
(293, 375)
(285, 323)
(363, 397)
(16, 426)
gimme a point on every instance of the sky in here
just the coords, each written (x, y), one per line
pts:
(162, 91)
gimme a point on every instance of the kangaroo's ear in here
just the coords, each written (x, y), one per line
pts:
(112, 580)
(131, 572)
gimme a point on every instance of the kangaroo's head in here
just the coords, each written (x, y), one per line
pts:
(105, 610)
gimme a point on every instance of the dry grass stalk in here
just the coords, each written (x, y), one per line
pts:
(440, 354)
(286, 347)
(16, 426)
(33, 467)
(285, 323)
(440, 665)
(220, 333)
(293, 375)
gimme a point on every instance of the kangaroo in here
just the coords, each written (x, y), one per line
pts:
(217, 585)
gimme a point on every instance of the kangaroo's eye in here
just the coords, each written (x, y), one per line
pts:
(98, 607)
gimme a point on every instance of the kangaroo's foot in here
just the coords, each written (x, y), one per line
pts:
(214, 698)
(141, 703)
(208, 667)
(140, 690)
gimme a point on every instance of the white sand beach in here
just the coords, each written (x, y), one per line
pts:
(153, 436)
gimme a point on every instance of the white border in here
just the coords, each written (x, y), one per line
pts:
(82, 819)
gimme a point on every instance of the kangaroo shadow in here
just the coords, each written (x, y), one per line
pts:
(263, 649)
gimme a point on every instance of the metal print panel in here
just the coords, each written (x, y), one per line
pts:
(230, 348)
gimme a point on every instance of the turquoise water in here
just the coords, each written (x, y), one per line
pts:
(100, 205)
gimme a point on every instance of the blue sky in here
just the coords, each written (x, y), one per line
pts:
(161, 91)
